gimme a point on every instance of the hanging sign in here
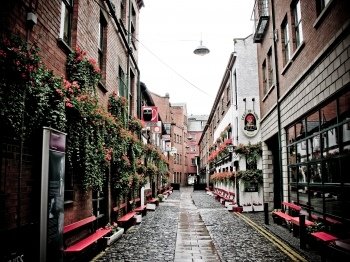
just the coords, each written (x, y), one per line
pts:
(150, 115)
(250, 123)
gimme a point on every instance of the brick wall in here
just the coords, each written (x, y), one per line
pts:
(54, 55)
(317, 33)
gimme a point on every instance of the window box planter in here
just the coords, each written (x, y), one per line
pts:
(114, 235)
(151, 206)
(247, 208)
(258, 207)
(138, 218)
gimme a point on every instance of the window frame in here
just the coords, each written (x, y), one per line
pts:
(286, 42)
(65, 33)
(298, 27)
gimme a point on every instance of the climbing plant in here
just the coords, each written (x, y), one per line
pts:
(28, 97)
(252, 153)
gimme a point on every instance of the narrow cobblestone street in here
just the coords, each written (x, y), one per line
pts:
(193, 226)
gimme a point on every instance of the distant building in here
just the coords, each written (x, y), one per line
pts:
(233, 123)
(195, 127)
(101, 35)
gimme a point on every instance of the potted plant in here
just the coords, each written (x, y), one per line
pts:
(160, 197)
(116, 233)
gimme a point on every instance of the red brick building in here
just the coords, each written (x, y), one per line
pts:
(105, 34)
(303, 60)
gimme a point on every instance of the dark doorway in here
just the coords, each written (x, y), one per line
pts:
(272, 144)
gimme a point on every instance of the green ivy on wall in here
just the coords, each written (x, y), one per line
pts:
(98, 139)
(252, 153)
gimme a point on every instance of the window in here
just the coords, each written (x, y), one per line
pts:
(133, 26)
(319, 157)
(235, 86)
(98, 203)
(122, 85)
(66, 21)
(193, 161)
(285, 43)
(101, 43)
(222, 104)
(298, 28)
(269, 69)
(228, 94)
(123, 11)
(264, 73)
(321, 5)
(131, 92)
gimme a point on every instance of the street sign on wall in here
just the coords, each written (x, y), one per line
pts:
(150, 115)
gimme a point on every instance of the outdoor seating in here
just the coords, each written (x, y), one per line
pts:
(81, 234)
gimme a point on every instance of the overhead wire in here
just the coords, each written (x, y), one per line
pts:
(172, 69)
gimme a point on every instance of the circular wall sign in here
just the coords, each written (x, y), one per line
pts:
(250, 123)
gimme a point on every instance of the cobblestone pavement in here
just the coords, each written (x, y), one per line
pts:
(193, 226)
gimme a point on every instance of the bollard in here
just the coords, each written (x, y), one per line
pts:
(302, 231)
(266, 213)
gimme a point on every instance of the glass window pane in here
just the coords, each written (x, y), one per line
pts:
(303, 195)
(301, 151)
(294, 193)
(66, 29)
(292, 154)
(345, 167)
(314, 148)
(329, 115)
(316, 198)
(334, 201)
(293, 174)
(291, 135)
(312, 123)
(315, 173)
(331, 172)
(344, 106)
(302, 174)
(330, 143)
(345, 130)
(300, 130)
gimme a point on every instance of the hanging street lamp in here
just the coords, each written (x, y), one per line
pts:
(201, 50)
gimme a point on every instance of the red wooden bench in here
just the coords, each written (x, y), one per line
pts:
(141, 209)
(91, 239)
(86, 235)
(127, 220)
(324, 236)
(288, 212)
(78, 224)
(153, 201)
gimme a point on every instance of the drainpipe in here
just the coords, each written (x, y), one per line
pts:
(128, 59)
(278, 102)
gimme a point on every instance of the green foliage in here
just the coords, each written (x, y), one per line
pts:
(28, 97)
(97, 140)
(117, 105)
(251, 175)
(83, 70)
(252, 153)
(317, 226)
(135, 125)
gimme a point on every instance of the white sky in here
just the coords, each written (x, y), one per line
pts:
(171, 30)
